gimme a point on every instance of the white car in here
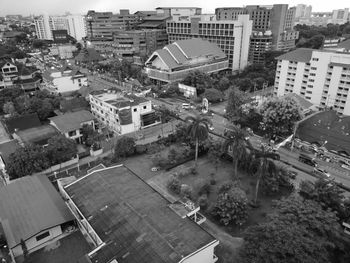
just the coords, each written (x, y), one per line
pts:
(321, 172)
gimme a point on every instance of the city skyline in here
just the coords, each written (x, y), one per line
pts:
(56, 7)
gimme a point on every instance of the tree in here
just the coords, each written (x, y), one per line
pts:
(236, 144)
(280, 114)
(215, 152)
(125, 146)
(231, 205)
(60, 149)
(198, 79)
(235, 101)
(198, 130)
(298, 231)
(26, 161)
(273, 182)
(314, 42)
(265, 167)
(327, 194)
(213, 95)
(9, 108)
(90, 136)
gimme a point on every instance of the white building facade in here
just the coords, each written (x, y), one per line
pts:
(122, 114)
(321, 77)
(74, 24)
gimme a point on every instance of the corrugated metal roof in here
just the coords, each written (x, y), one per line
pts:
(345, 44)
(167, 58)
(30, 205)
(177, 53)
(196, 47)
(298, 55)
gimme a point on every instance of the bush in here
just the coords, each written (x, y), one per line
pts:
(231, 205)
(140, 149)
(193, 170)
(212, 181)
(174, 184)
(203, 202)
(204, 190)
(124, 147)
(186, 191)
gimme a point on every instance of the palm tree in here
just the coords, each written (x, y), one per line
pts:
(236, 145)
(266, 167)
(198, 130)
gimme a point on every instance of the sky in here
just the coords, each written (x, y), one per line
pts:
(57, 7)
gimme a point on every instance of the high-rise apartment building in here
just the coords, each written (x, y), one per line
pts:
(275, 21)
(303, 11)
(340, 16)
(231, 36)
(102, 25)
(320, 76)
(74, 24)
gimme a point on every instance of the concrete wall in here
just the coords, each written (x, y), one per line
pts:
(205, 255)
(66, 84)
(33, 245)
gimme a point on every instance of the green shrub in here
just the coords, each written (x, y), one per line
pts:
(174, 184)
(204, 190)
(186, 191)
(203, 202)
(212, 181)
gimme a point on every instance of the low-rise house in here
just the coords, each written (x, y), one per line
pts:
(128, 221)
(64, 81)
(70, 124)
(33, 211)
(175, 61)
(122, 113)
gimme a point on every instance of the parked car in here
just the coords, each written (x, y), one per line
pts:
(321, 173)
(307, 160)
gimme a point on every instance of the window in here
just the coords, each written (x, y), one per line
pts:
(72, 133)
(313, 68)
(144, 107)
(314, 59)
(42, 236)
(135, 109)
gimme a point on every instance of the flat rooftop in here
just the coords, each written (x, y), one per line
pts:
(134, 220)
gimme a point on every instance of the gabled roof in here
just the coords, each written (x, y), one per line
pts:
(23, 122)
(30, 205)
(305, 104)
(298, 55)
(134, 220)
(72, 121)
(188, 52)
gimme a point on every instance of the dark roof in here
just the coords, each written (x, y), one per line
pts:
(345, 44)
(188, 52)
(134, 220)
(37, 135)
(6, 148)
(30, 205)
(72, 121)
(298, 55)
(22, 122)
(151, 24)
(305, 104)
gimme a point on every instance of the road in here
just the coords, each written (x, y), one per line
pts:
(338, 173)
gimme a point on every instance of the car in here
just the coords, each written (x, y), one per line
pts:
(321, 172)
(347, 167)
(307, 160)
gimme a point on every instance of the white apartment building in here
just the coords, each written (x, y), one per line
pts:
(340, 16)
(122, 113)
(320, 76)
(74, 24)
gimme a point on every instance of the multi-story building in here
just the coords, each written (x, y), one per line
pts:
(127, 44)
(320, 76)
(177, 12)
(276, 20)
(122, 114)
(74, 24)
(316, 19)
(303, 11)
(231, 36)
(102, 25)
(175, 61)
(259, 43)
(340, 16)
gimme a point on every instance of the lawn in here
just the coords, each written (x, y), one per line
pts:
(206, 173)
